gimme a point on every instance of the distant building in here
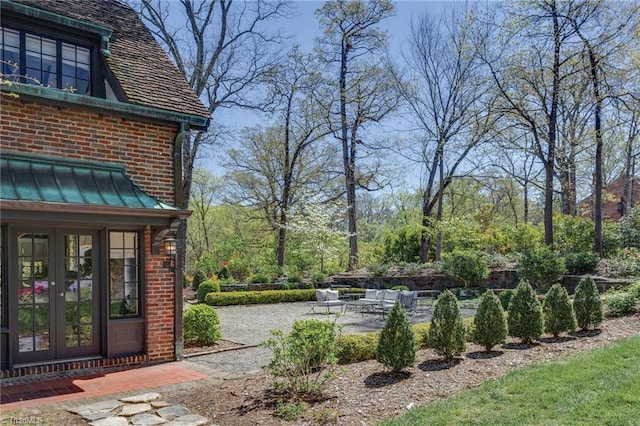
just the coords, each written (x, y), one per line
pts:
(93, 115)
(614, 203)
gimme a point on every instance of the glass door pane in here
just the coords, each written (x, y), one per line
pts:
(34, 284)
(78, 296)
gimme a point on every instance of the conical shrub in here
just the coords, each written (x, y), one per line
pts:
(558, 312)
(525, 318)
(396, 345)
(587, 304)
(447, 332)
(489, 321)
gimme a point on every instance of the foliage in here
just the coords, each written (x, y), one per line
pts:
(402, 245)
(630, 228)
(294, 278)
(201, 325)
(498, 260)
(634, 290)
(467, 266)
(198, 278)
(447, 331)
(490, 325)
(206, 264)
(619, 304)
(318, 277)
(412, 268)
(581, 263)
(400, 288)
(593, 388)
(304, 361)
(505, 297)
(626, 263)
(541, 266)
(259, 278)
(290, 410)
(573, 234)
(257, 297)
(377, 269)
(558, 311)
(396, 347)
(587, 304)
(353, 348)
(525, 319)
(239, 268)
(205, 288)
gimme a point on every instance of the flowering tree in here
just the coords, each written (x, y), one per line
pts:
(316, 228)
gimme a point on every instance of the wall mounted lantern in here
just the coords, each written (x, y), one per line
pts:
(170, 250)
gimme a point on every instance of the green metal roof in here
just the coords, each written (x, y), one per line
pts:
(77, 182)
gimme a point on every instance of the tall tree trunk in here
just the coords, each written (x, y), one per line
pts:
(439, 213)
(593, 65)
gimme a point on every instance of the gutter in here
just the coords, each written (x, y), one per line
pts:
(178, 323)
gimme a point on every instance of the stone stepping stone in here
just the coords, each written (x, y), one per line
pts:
(133, 409)
(190, 420)
(159, 404)
(104, 406)
(147, 419)
(173, 412)
(145, 397)
(111, 421)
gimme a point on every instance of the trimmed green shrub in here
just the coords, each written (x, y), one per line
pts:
(541, 266)
(198, 278)
(581, 263)
(587, 304)
(466, 266)
(318, 277)
(400, 288)
(619, 304)
(294, 278)
(239, 268)
(525, 318)
(201, 325)
(205, 288)
(256, 297)
(447, 331)
(626, 263)
(558, 311)
(505, 297)
(259, 279)
(634, 290)
(304, 361)
(396, 347)
(356, 347)
(490, 325)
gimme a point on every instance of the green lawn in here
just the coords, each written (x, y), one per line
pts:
(600, 387)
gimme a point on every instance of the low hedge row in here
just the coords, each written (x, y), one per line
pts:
(227, 298)
(258, 297)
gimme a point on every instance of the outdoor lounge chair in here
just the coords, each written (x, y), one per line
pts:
(326, 299)
(409, 300)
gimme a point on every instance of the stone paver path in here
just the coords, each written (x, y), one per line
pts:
(144, 409)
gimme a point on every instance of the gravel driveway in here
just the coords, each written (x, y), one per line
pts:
(250, 325)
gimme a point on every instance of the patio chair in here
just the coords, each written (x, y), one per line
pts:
(326, 299)
(409, 300)
(389, 298)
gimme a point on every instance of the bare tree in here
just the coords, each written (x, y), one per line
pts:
(444, 91)
(604, 31)
(273, 169)
(350, 50)
(223, 47)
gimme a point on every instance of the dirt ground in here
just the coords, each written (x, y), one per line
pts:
(365, 393)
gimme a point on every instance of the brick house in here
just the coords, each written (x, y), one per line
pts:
(93, 116)
(614, 202)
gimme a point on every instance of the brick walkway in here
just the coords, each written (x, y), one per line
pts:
(61, 387)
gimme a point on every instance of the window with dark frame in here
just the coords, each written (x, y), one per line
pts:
(124, 274)
(34, 59)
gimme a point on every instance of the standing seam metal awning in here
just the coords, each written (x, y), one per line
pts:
(55, 180)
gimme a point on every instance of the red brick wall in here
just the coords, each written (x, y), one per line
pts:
(146, 151)
(160, 303)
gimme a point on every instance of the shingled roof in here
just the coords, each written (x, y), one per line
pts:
(145, 72)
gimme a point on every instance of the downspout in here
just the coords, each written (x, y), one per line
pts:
(183, 132)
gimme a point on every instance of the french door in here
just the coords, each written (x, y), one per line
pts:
(57, 303)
